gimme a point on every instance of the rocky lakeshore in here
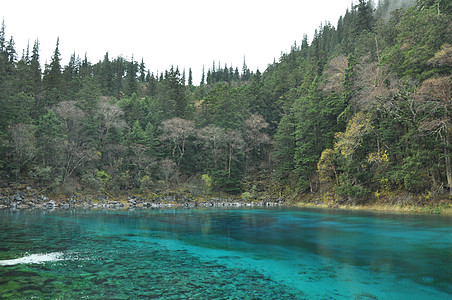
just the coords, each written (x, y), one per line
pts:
(29, 198)
(32, 198)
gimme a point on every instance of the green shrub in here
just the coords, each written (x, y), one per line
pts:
(355, 192)
(90, 181)
(246, 196)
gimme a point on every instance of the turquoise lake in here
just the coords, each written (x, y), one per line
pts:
(224, 254)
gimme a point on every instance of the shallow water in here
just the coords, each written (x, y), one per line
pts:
(224, 254)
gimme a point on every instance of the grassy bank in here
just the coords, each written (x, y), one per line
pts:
(401, 203)
(443, 209)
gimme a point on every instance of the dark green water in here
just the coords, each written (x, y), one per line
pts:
(224, 254)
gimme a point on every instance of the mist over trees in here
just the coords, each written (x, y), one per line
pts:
(363, 111)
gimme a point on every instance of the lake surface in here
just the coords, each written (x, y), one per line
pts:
(224, 254)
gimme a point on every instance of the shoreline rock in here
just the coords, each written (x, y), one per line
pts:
(23, 198)
(19, 200)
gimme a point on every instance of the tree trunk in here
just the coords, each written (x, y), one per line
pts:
(447, 158)
(230, 159)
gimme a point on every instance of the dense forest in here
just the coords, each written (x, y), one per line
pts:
(361, 112)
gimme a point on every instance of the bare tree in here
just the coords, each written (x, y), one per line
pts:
(234, 141)
(177, 131)
(335, 74)
(76, 150)
(141, 160)
(213, 138)
(373, 85)
(111, 117)
(71, 116)
(113, 157)
(443, 56)
(169, 171)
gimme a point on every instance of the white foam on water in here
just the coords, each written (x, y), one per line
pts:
(33, 259)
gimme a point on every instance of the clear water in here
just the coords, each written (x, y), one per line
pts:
(224, 254)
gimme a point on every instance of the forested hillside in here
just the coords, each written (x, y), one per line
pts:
(362, 111)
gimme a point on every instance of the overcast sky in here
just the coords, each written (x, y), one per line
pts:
(169, 32)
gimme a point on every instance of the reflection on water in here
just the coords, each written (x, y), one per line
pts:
(235, 253)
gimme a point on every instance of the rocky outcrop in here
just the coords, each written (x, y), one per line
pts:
(30, 199)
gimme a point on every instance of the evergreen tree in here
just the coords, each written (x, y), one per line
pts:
(88, 95)
(151, 141)
(52, 81)
(118, 71)
(171, 100)
(7, 53)
(35, 69)
(246, 73)
(202, 77)
(85, 68)
(3, 38)
(422, 33)
(49, 139)
(71, 78)
(142, 71)
(348, 32)
(284, 148)
(364, 17)
(11, 54)
(223, 107)
(20, 108)
(106, 76)
(137, 134)
(190, 77)
(52, 76)
(23, 77)
(131, 78)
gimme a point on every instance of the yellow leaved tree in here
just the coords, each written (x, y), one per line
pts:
(347, 142)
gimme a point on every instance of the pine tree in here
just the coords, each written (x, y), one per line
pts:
(2, 38)
(190, 77)
(142, 71)
(421, 34)
(131, 78)
(11, 53)
(106, 76)
(85, 68)
(49, 137)
(245, 71)
(118, 71)
(52, 81)
(348, 31)
(202, 77)
(284, 147)
(52, 77)
(137, 134)
(364, 17)
(35, 69)
(71, 78)
(151, 141)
